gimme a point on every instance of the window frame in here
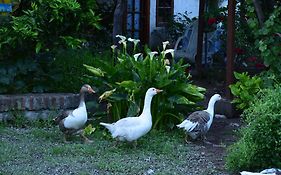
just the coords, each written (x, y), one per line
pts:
(163, 24)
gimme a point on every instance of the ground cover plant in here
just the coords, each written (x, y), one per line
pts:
(123, 84)
(39, 149)
(259, 146)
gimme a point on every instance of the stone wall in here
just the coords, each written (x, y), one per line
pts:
(35, 106)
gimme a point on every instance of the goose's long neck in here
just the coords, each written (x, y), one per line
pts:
(211, 106)
(82, 99)
(147, 105)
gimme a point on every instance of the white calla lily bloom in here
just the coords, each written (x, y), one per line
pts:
(152, 54)
(137, 55)
(121, 37)
(165, 44)
(169, 51)
(113, 47)
(135, 41)
(168, 68)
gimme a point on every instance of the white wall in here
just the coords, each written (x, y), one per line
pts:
(180, 6)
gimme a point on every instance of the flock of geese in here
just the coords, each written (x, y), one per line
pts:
(196, 125)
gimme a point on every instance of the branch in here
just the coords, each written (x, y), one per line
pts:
(259, 11)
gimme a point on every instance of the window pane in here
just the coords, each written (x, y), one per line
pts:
(130, 5)
(137, 21)
(165, 3)
(164, 15)
(137, 6)
(129, 21)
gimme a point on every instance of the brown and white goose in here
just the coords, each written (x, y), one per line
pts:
(199, 122)
(72, 122)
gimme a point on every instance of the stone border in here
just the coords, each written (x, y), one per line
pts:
(34, 106)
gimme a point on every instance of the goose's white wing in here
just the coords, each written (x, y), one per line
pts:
(128, 122)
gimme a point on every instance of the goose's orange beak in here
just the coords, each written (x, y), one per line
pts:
(158, 91)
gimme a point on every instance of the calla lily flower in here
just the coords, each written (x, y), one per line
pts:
(121, 37)
(136, 56)
(165, 44)
(169, 51)
(167, 62)
(113, 47)
(135, 41)
(168, 68)
(152, 54)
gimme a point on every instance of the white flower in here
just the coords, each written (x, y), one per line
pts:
(165, 44)
(136, 56)
(169, 51)
(151, 54)
(135, 41)
(167, 62)
(113, 47)
(121, 37)
(168, 68)
(123, 42)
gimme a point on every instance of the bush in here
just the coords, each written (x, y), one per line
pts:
(245, 89)
(127, 80)
(71, 70)
(47, 73)
(260, 143)
(45, 26)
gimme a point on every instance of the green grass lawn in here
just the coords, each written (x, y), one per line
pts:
(41, 151)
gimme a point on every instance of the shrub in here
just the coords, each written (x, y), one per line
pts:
(71, 70)
(260, 143)
(266, 36)
(127, 81)
(245, 89)
(45, 26)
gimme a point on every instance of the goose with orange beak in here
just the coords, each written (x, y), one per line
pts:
(132, 128)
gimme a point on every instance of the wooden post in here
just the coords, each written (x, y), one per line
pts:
(198, 58)
(230, 46)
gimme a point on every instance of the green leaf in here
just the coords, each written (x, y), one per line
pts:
(95, 71)
(38, 47)
(180, 100)
(133, 110)
(89, 130)
(128, 84)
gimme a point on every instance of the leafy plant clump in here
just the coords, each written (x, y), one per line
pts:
(260, 143)
(267, 36)
(45, 26)
(245, 89)
(126, 81)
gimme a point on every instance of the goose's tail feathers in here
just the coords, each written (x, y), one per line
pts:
(187, 125)
(108, 126)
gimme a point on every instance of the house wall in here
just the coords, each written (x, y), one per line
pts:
(180, 6)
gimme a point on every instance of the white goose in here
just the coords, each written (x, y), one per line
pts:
(72, 122)
(132, 128)
(199, 122)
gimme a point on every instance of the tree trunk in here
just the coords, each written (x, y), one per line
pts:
(118, 19)
(259, 11)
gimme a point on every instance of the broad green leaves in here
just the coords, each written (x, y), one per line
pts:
(125, 84)
(245, 89)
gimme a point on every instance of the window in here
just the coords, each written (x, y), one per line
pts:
(164, 12)
(133, 18)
